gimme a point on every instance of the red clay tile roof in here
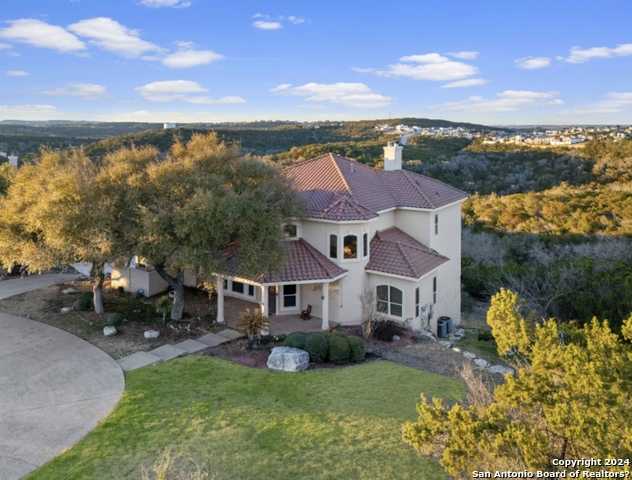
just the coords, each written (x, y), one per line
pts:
(339, 188)
(302, 263)
(396, 253)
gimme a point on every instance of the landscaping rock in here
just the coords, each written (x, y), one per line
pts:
(69, 291)
(288, 359)
(481, 363)
(109, 331)
(151, 334)
(396, 338)
(456, 349)
(469, 355)
(66, 309)
(501, 369)
(445, 343)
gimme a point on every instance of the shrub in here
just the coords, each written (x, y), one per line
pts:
(385, 330)
(296, 340)
(339, 349)
(114, 319)
(84, 302)
(317, 345)
(485, 336)
(358, 352)
(253, 322)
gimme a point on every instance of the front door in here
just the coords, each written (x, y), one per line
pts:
(272, 295)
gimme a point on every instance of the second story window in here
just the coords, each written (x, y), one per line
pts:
(350, 246)
(434, 289)
(333, 246)
(436, 223)
(365, 245)
(290, 230)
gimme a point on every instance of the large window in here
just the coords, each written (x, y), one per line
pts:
(365, 245)
(289, 296)
(389, 300)
(350, 246)
(333, 246)
(237, 287)
(436, 223)
(434, 289)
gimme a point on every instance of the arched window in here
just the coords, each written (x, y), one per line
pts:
(389, 300)
(333, 246)
(350, 246)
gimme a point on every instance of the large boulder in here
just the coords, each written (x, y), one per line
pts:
(288, 359)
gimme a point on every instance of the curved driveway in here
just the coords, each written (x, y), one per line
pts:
(54, 388)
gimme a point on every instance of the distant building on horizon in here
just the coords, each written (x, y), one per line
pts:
(168, 125)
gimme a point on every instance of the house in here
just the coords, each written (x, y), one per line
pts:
(384, 240)
(391, 236)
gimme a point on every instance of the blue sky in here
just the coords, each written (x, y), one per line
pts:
(200, 60)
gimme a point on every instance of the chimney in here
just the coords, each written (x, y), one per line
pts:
(393, 156)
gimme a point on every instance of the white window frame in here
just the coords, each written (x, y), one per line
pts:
(298, 231)
(389, 302)
(329, 235)
(283, 295)
(417, 302)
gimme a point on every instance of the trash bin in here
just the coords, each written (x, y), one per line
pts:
(442, 328)
(449, 324)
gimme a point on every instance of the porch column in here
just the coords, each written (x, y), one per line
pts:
(265, 309)
(220, 298)
(325, 306)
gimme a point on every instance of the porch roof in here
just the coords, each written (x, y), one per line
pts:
(302, 263)
(394, 252)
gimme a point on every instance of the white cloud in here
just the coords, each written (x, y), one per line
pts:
(281, 88)
(166, 3)
(17, 73)
(26, 112)
(110, 35)
(532, 63)
(357, 95)
(264, 21)
(267, 25)
(185, 91)
(83, 90)
(190, 58)
(5, 46)
(465, 55)
(295, 20)
(505, 101)
(468, 82)
(426, 66)
(581, 55)
(41, 34)
(614, 102)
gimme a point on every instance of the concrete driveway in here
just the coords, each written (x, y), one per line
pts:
(16, 286)
(54, 389)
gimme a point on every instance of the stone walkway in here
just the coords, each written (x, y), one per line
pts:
(168, 352)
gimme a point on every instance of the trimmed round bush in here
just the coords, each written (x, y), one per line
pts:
(339, 349)
(358, 351)
(296, 340)
(317, 345)
(84, 302)
(115, 319)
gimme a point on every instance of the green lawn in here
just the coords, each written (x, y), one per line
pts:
(239, 423)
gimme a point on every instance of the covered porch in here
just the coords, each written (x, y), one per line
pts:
(305, 283)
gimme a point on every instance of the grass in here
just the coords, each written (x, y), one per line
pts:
(236, 422)
(482, 348)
